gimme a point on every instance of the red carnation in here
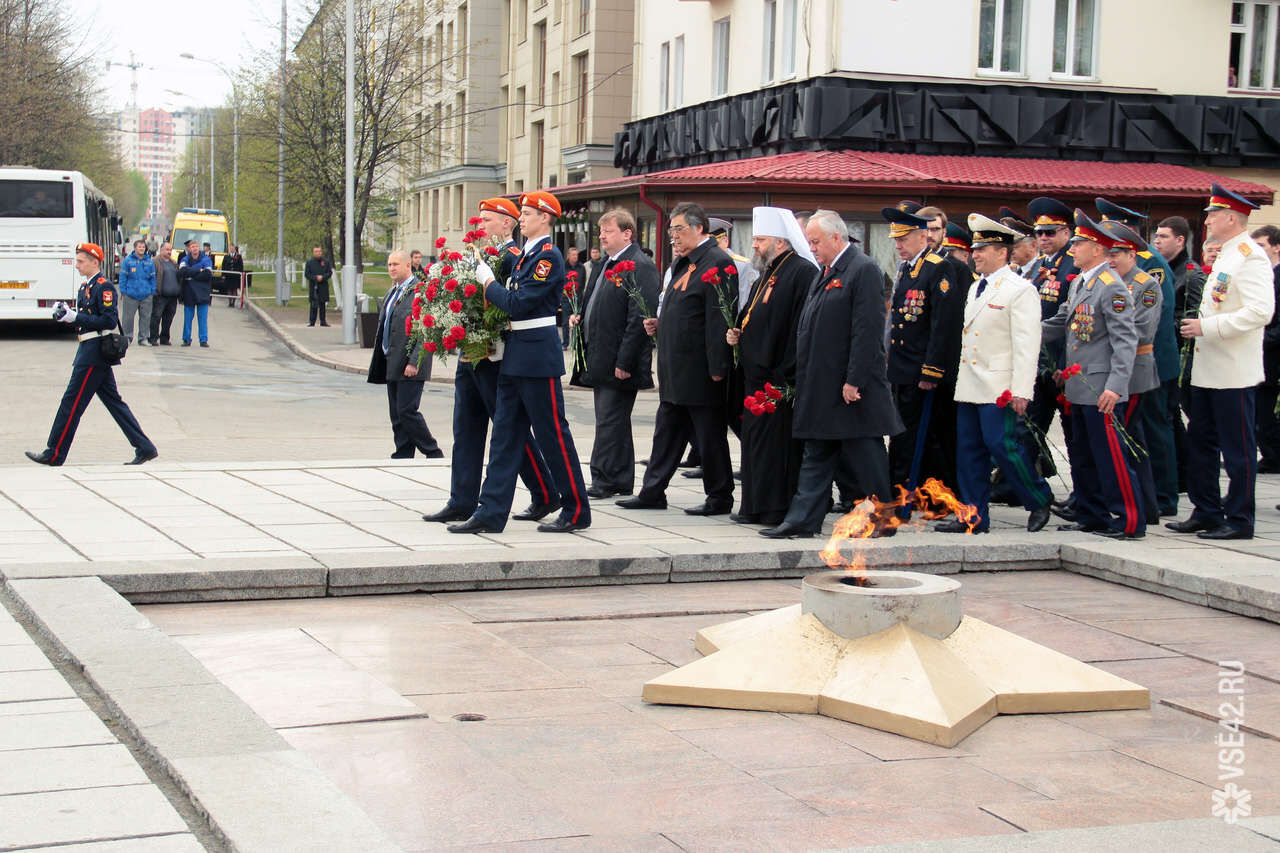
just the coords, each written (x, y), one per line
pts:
(468, 237)
(1062, 399)
(625, 266)
(730, 270)
(475, 220)
(408, 325)
(446, 270)
(450, 343)
(570, 286)
(1206, 268)
(1191, 265)
(430, 346)
(1072, 370)
(428, 321)
(456, 306)
(451, 285)
(1004, 399)
(760, 396)
(480, 234)
(1072, 277)
(571, 275)
(491, 251)
(458, 332)
(768, 406)
(431, 291)
(440, 241)
(771, 391)
(469, 291)
(455, 256)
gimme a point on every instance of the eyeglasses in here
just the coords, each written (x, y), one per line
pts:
(673, 230)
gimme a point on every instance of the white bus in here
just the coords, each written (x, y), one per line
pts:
(44, 213)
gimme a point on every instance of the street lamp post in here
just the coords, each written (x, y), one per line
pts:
(282, 289)
(235, 145)
(349, 249)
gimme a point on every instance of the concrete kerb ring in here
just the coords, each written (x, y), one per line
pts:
(928, 603)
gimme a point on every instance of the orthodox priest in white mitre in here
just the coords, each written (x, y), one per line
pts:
(766, 339)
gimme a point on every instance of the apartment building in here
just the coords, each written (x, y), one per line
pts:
(151, 142)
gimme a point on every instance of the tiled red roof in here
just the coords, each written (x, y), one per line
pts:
(927, 172)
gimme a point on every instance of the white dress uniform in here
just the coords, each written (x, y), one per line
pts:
(1000, 343)
(1237, 303)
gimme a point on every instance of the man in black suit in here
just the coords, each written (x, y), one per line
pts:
(618, 351)
(394, 366)
(843, 404)
(693, 361)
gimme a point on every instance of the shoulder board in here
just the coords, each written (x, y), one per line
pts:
(933, 258)
(1106, 277)
(515, 250)
(101, 279)
(1245, 250)
(548, 247)
(1141, 277)
(1144, 254)
(738, 257)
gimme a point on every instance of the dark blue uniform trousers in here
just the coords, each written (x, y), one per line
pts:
(535, 402)
(986, 432)
(1108, 495)
(475, 400)
(1221, 425)
(1135, 409)
(86, 381)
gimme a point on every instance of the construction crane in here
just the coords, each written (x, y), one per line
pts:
(133, 65)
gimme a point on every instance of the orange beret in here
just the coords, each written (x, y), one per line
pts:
(541, 200)
(91, 249)
(501, 205)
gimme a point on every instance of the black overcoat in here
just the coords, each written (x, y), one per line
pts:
(615, 335)
(691, 329)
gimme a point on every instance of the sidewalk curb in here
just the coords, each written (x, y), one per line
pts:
(298, 349)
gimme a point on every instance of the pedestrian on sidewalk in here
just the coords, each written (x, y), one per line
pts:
(318, 271)
(94, 312)
(165, 303)
(232, 274)
(137, 287)
(195, 273)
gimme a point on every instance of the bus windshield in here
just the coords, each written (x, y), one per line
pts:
(217, 240)
(35, 199)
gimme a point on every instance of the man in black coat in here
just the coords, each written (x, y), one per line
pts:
(318, 271)
(766, 339)
(843, 402)
(618, 351)
(693, 361)
(394, 366)
(1267, 426)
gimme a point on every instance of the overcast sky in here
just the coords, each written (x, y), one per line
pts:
(232, 32)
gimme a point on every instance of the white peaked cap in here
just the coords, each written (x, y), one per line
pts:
(780, 222)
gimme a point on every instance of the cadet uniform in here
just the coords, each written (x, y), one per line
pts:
(529, 393)
(923, 328)
(95, 313)
(1236, 305)
(1097, 323)
(475, 400)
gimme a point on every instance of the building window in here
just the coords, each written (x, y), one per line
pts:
(522, 20)
(720, 57)
(540, 60)
(788, 38)
(535, 153)
(769, 37)
(677, 75)
(518, 111)
(555, 11)
(1000, 36)
(1255, 46)
(462, 40)
(584, 15)
(556, 104)
(664, 76)
(582, 79)
(1074, 37)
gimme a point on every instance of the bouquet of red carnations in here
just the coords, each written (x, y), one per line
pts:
(450, 313)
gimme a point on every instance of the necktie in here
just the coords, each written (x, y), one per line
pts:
(386, 322)
(902, 270)
(826, 271)
(589, 309)
(982, 285)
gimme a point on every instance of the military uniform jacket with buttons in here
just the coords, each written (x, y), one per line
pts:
(97, 310)
(1148, 306)
(1096, 321)
(1053, 282)
(534, 291)
(1236, 305)
(924, 322)
(1166, 341)
(691, 329)
(1000, 342)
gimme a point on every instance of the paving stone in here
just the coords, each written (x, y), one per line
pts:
(177, 843)
(85, 815)
(38, 731)
(29, 685)
(43, 706)
(15, 658)
(1004, 551)
(33, 770)
(194, 720)
(1203, 834)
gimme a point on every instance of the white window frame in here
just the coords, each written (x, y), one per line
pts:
(677, 74)
(664, 76)
(1271, 47)
(788, 39)
(720, 57)
(769, 40)
(1073, 12)
(997, 36)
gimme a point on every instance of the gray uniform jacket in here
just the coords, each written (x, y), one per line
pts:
(1096, 321)
(1147, 297)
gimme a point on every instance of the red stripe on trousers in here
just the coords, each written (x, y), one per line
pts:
(1128, 411)
(71, 416)
(564, 454)
(546, 496)
(1122, 476)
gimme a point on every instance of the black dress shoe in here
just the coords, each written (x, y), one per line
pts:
(688, 463)
(641, 503)
(1038, 518)
(600, 492)
(1191, 525)
(1117, 534)
(1064, 511)
(204, 344)
(408, 455)
(324, 324)
(954, 525)
(1226, 531)
(744, 518)
(786, 531)
(447, 514)
(472, 525)
(1078, 527)
(841, 508)
(562, 525)
(45, 458)
(884, 532)
(143, 456)
(709, 508)
(536, 512)
(692, 474)
(434, 454)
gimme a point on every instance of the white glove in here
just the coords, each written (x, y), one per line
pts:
(483, 274)
(70, 315)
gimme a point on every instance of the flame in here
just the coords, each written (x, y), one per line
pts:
(871, 517)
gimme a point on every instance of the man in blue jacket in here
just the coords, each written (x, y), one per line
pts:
(137, 286)
(195, 273)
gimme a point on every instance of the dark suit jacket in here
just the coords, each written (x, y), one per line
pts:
(390, 367)
(841, 340)
(691, 328)
(615, 337)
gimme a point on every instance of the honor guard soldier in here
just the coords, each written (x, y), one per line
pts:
(1025, 255)
(1154, 410)
(924, 325)
(995, 381)
(93, 315)
(475, 400)
(1236, 306)
(1096, 323)
(1147, 297)
(529, 392)
(956, 244)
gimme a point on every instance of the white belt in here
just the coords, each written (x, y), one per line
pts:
(87, 335)
(535, 323)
